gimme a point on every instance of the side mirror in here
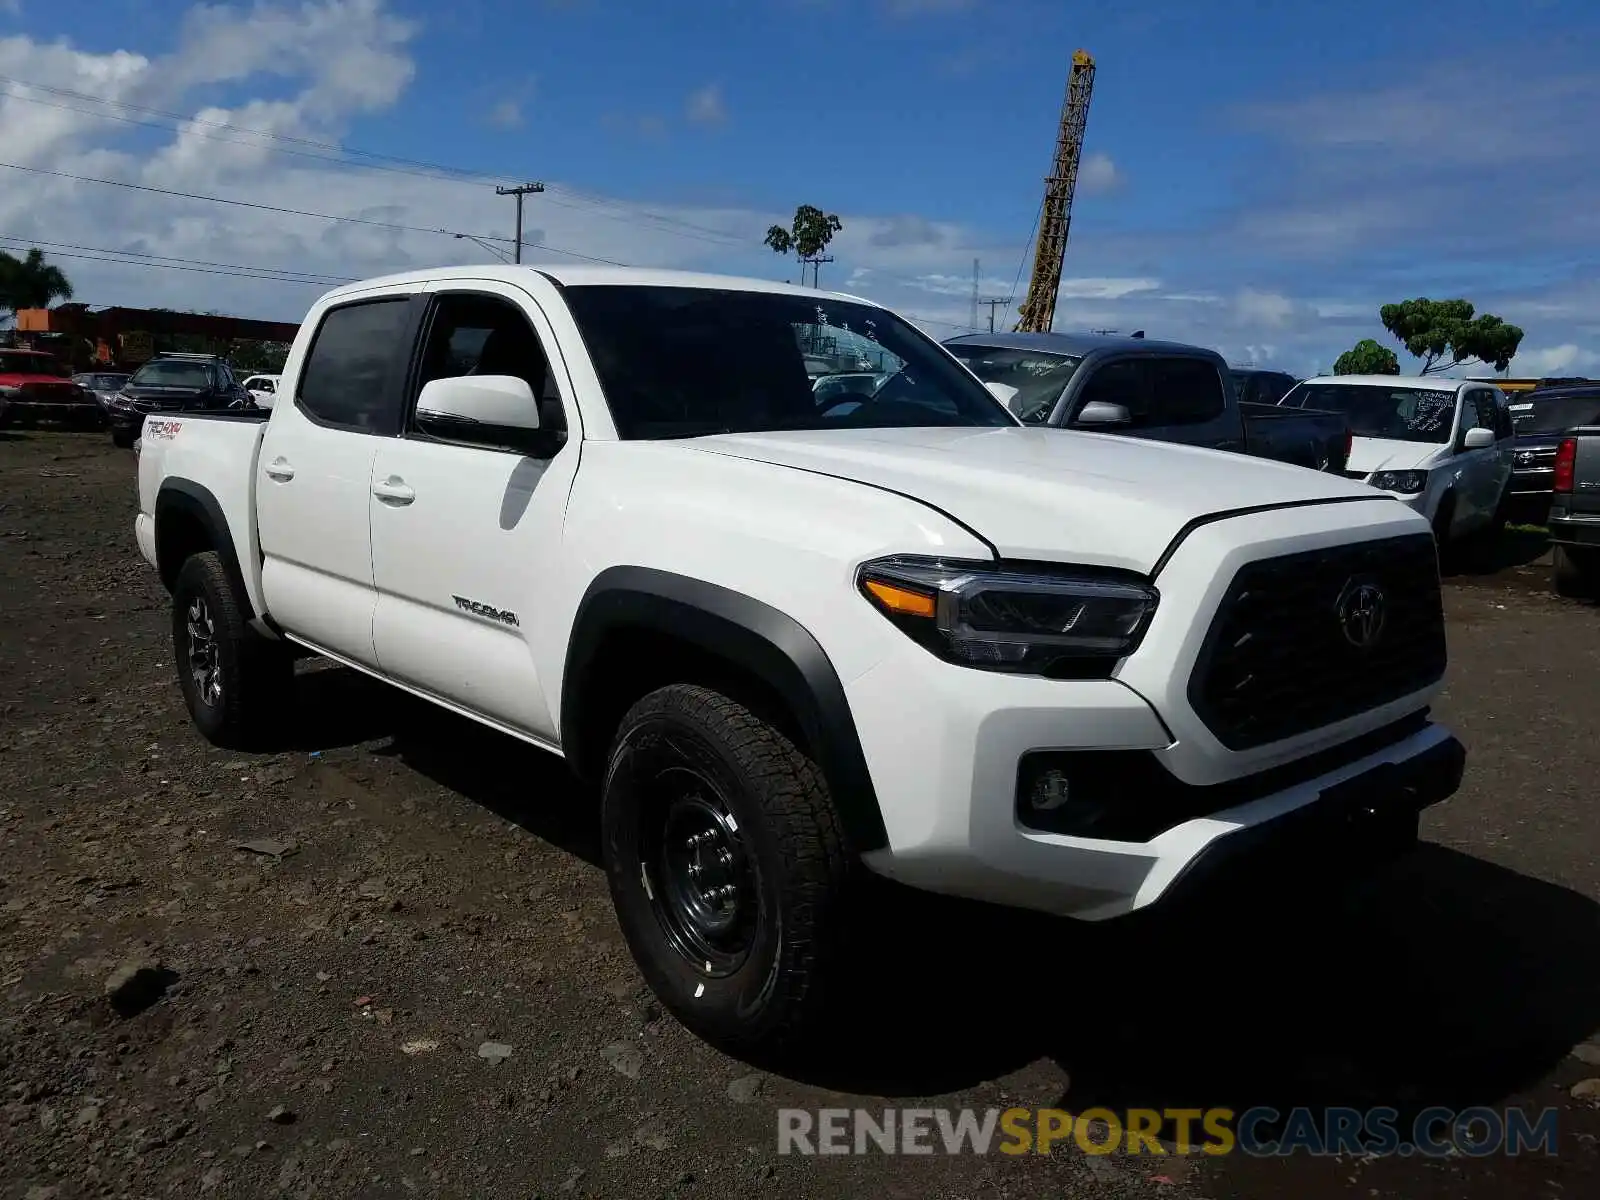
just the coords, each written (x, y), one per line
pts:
(1478, 439)
(262, 399)
(1100, 412)
(480, 408)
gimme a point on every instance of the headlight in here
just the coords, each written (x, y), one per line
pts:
(1034, 622)
(1400, 481)
(120, 401)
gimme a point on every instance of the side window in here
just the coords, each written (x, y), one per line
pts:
(475, 334)
(1488, 411)
(1185, 391)
(1471, 412)
(1122, 381)
(1272, 388)
(346, 380)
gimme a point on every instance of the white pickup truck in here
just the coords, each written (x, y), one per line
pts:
(789, 637)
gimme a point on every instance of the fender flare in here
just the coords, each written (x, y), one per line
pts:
(751, 635)
(195, 501)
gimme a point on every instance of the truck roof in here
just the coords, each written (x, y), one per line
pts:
(598, 276)
(1074, 343)
(1430, 383)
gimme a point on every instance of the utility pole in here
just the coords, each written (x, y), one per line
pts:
(973, 321)
(993, 304)
(816, 266)
(519, 192)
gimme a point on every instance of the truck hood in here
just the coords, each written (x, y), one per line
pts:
(1369, 454)
(1048, 494)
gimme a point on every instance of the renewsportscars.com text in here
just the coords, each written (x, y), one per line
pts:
(1433, 1133)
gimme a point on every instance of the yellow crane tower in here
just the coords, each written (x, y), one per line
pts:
(1038, 311)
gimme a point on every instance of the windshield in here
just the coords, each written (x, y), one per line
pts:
(172, 374)
(103, 383)
(1399, 414)
(18, 362)
(1038, 376)
(687, 362)
(1557, 414)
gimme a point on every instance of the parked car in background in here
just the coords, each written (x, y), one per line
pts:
(1443, 446)
(36, 386)
(1165, 391)
(263, 389)
(793, 643)
(1540, 417)
(1257, 386)
(104, 384)
(1574, 519)
(173, 383)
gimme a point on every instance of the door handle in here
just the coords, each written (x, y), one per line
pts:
(393, 491)
(280, 470)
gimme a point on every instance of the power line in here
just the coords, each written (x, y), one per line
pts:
(296, 212)
(138, 256)
(341, 156)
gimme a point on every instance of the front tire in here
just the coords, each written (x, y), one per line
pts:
(728, 869)
(234, 680)
(1443, 520)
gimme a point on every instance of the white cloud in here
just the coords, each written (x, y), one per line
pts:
(705, 106)
(506, 114)
(1263, 308)
(1105, 289)
(1097, 174)
(1554, 360)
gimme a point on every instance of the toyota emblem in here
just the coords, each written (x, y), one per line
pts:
(1362, 610)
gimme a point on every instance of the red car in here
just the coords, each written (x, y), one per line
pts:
(38, 386)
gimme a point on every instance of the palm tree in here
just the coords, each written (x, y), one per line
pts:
(30, 282)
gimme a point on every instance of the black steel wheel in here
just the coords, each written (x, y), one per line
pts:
(234, 681)
(728, 869)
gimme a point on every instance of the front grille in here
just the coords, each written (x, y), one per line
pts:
(1355, 474)
(49, 393)
(1286, 652)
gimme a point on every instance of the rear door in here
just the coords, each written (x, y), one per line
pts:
(466, 533)
(314, 471)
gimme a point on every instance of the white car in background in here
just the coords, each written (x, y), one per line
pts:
(1443, 446)
(263, 388)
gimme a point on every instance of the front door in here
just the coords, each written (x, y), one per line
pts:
(314, 475)
(466, 534)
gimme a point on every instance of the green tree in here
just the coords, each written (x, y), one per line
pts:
(30, 282)
(249, 356)
(1446, 333)
(808, 236)
(1366, 357)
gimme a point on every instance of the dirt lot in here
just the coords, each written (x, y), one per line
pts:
(321, 1026)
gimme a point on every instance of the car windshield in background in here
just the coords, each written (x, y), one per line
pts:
(103, 383)
(1375, 411)
(1038, 377)
(172, 374)
(1557, 414)
(18, 363)
(688, 362)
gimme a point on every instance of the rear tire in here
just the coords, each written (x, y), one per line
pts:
(728, 869)
(1576, 573)
(234, 680)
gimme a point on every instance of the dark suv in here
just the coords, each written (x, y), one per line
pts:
(1541, 418)
(173, 383)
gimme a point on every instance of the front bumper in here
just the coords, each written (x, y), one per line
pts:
(948, 748)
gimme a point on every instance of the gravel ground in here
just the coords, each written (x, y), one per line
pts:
(382, 961)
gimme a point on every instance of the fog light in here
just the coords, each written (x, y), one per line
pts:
(1050, 791)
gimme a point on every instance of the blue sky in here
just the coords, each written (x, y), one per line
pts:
(1258, 177)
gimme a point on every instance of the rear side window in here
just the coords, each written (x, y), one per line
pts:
(1185, 391)
(347, 379)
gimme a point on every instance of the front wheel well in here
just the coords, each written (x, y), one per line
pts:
(634, 661)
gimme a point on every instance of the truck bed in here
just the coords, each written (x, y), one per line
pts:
(219, 448)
